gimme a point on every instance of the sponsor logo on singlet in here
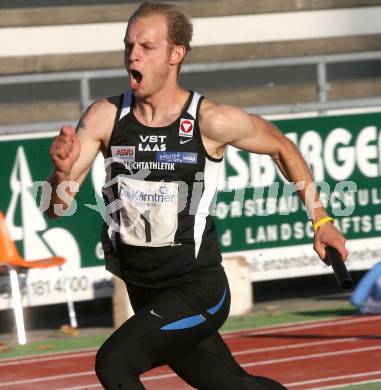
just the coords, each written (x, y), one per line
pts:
(177, 157)
(152, 143)
(186, 128)
(161, 195)
(124, 153)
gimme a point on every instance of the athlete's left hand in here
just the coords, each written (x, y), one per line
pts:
(329, 235)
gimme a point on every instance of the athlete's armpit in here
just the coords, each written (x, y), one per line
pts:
(81, 125)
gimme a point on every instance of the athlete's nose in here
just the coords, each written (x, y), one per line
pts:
(132, 54)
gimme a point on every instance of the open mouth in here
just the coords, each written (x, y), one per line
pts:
(136, 75)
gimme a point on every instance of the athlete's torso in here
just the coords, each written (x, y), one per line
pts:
(164, 183)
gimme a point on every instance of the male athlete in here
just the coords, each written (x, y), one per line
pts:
(163, 147)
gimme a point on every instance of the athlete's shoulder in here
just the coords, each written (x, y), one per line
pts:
(104, 106)
(217, 120)
(100, 114)
(213, 113)
(98, 120)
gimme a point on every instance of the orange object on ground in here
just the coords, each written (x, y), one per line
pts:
(9, 254)
(12, 262)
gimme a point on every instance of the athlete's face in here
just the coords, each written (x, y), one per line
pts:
(147, 54)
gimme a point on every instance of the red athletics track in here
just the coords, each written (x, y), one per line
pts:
(309, 355)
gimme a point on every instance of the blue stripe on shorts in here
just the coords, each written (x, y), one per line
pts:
(190, 322)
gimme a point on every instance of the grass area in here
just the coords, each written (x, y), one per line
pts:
(69, 343)
(365, 386)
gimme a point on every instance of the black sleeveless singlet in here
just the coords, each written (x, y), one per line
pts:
(160, 187)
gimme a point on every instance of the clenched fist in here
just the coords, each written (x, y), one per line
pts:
(65, 150)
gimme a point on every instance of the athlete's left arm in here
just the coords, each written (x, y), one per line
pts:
(228, 125)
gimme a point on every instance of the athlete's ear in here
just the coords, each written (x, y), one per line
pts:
(177, 54)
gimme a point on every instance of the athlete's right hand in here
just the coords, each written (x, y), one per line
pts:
(65, 150)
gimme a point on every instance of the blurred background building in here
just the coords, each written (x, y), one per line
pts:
(40, 38)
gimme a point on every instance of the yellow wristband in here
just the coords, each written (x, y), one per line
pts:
(320, 222)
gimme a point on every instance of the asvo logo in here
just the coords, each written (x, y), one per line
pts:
(125, 153)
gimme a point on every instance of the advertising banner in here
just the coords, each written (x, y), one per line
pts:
(258, 213)
(260, 216)
(25, 165)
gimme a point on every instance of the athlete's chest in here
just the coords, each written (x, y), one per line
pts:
(173, 152)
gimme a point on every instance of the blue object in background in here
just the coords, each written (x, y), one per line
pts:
(367, 294)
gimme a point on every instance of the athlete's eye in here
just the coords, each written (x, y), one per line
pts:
(148, 47)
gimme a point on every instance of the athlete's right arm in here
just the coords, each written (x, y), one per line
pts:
(73, 151)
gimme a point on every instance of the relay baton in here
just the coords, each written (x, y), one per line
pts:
(343, 277)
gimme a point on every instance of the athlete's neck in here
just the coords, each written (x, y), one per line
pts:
(162, 108)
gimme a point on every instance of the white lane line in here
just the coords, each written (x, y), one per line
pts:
(281, 326)
(94, 386)
(226, 335)
(26, 358)
(334, 378)
(309, 326)
(162, 376)
(239, 353)
(165, 376)
(84, 387)
(148, 378)
(312, 356)
(293, 346)
(275, 361)
(47, 378)
(46, 359)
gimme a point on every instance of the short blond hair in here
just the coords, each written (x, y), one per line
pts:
(180, 28)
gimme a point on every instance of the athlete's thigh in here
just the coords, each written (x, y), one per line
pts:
(210, 365)
(161, 331)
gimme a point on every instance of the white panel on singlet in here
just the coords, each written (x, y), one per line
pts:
(126, 106)
(192, 110)
(149, 212)
(211, 174)
(107, 192)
